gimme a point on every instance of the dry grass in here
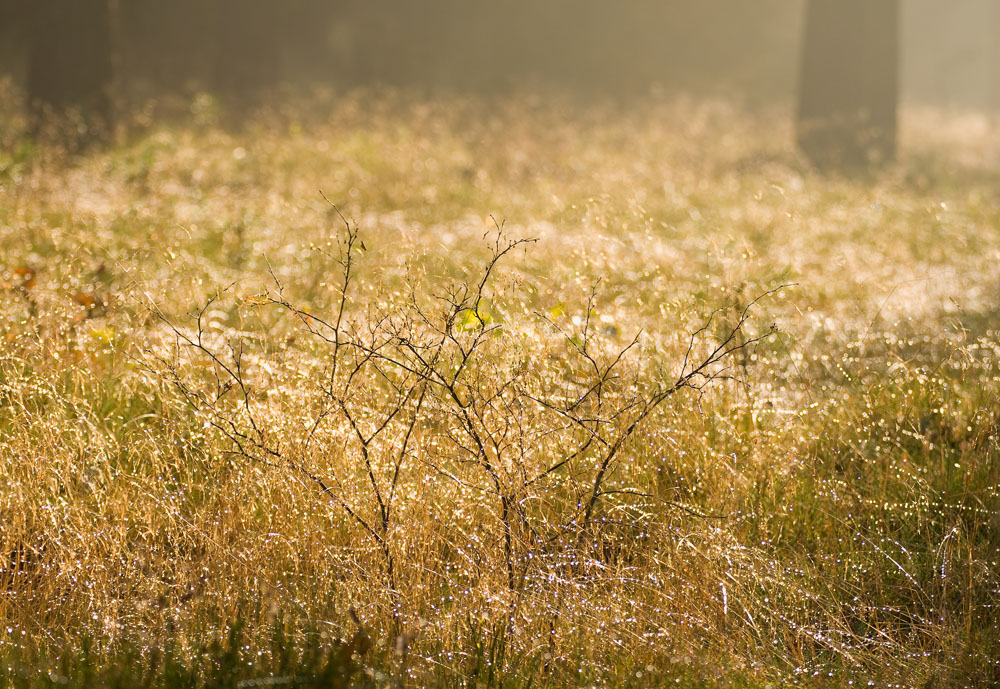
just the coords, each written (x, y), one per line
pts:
(824, 512)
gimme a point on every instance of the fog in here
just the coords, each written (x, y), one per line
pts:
(499, 343)
(742, 48)
(950, 55)
(843, 67)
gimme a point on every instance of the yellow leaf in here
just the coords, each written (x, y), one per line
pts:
(105, 336)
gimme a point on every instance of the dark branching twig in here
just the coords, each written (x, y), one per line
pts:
(430, 382)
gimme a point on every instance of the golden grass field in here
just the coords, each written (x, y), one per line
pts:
(505, 477)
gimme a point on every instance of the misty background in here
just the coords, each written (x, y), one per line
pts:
(747, 49)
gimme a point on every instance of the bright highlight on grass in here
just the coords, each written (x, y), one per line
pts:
(528, 395)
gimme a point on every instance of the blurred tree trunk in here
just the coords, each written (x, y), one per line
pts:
(849, 83)
(70, 64)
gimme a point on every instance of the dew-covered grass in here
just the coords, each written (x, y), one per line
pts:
(211, 475)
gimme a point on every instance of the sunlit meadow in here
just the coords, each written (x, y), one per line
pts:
(287, 397)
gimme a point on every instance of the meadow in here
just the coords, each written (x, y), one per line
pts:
(390, 390)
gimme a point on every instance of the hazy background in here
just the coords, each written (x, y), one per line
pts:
(749, 49)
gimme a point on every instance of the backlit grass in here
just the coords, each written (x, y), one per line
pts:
(823, 513)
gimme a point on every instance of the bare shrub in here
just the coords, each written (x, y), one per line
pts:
(444, 398)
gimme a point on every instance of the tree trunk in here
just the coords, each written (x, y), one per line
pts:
(70, 65)
(849, 83)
